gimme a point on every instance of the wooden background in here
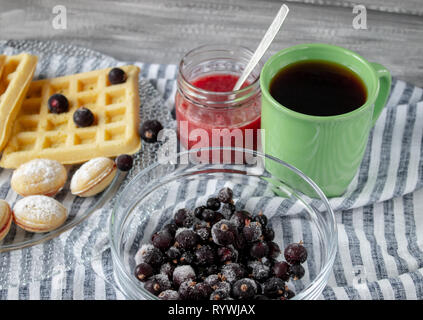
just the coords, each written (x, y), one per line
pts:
(162, 31)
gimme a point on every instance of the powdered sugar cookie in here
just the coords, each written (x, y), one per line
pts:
(39, 213)
(5, 218)
(39, 177)
(93, 177)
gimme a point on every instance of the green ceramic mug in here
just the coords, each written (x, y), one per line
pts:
(328, 149)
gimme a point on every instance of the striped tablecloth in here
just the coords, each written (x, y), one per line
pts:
(380, 218)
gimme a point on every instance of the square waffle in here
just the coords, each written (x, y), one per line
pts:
(15, 76)
(37, 133)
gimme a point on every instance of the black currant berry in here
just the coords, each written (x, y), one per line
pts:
(274, 287)
(184, 218)
(297, 271)
(143, 271)
(295, 253)
(244, 289)
(204, 255)
(224, 233)
(124, 162)
(213, 203)
(261, 218)
(259, 250)
(186, 239)
(83, 117)
(274, 250)
(162, 240)
(116, 76)
(251, 231)
(149, 130)
(58, 103)
(225, 195)
(169, 295)
(281, 270)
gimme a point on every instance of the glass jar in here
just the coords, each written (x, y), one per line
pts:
(226, 118)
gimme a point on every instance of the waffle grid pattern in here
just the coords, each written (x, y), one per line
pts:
(15, 75)
(37, 133)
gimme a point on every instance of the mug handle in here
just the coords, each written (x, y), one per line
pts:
(385, 80)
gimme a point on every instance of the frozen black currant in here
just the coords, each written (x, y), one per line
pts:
(225, 195)
(169, 295)
(295, 253)
(186, 290)
(219, 295)
(261, 218)
(173, 254)
(212, 280)
(58, 103)
(143, 271)
(149, 254)
(124, 162)
(186, 239)
(297, 271)
(282, 270)
(228, 210)
(184, 218)
(274, 287)
(258, 270)
(83, 117)
(208, 215)
(198, 212)
(187, 258)
(268, 234)
(173, 113)
(251, 231)
(259, 250)
(167, 269)
(202, 291)
(162, 240)
(289, 294)
(213, 203)
(232, 272)
(224, 233)
(239, 218)
(150, 129)
(182, 274)
(116, 76)
(204, 255)
(171, 228)
(153, 286)
(274, 250)
(204, 233)
(244, 289)
(227, 254)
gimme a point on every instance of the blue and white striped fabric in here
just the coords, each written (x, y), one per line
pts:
(380, 218)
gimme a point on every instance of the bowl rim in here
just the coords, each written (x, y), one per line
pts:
(323, 274)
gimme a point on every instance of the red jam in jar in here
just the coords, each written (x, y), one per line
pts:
(208, 112)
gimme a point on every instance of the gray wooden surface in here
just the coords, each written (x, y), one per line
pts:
(162, 31)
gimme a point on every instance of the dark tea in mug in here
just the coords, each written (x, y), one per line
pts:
(318, 88)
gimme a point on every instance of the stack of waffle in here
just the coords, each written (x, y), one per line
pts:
(29, 131)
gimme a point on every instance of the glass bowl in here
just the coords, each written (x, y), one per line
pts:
(149, 201)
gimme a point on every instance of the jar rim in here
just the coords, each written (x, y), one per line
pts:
(216, 47)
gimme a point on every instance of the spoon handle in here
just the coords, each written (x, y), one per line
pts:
(264, 44)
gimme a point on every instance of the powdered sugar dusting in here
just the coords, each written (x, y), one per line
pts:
(39, 171)
(41, 208)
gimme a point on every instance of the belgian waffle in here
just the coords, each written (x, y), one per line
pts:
(37, 133)
(15, 76)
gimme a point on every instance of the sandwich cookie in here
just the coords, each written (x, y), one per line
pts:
(5, 218)
(93, 177)
(39, 177)
(39, 214)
